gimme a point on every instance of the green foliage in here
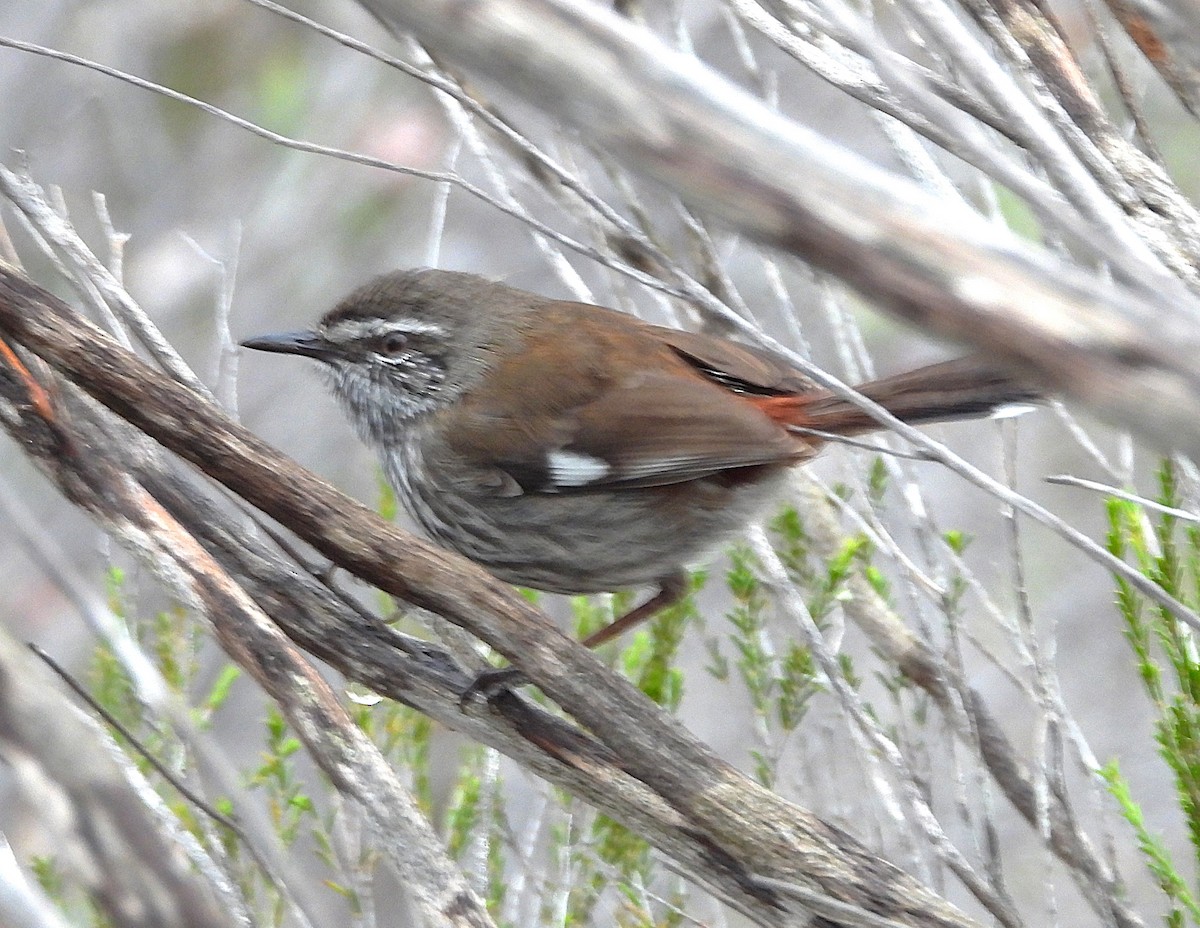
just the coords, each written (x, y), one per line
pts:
(288, 803)
(956, 583)
(796, 685)
(628, 862)
(404, 736)
(1165, 655)
(46, 872)
(475, 813)
(877, 480)
(649, 659)
(218, 694)
(781, 683)
(1158, 859)
(648, 656)
(109, 684)
(386, 505)
(957, 541)
(604, 854)
(1017, 214)
(462, 816)
(173, 640)
(284, 95)
(753, 660)
(79, 911)
(591, 613)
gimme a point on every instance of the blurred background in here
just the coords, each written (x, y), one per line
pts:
(223, 235)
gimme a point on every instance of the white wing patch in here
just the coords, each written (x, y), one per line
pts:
(1011, 410)
(572, 469)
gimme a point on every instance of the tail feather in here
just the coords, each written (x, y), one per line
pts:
(965, 388)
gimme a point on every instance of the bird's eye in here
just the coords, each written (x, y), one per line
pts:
(393, 343)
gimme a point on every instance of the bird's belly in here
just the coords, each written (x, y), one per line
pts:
(595, 541)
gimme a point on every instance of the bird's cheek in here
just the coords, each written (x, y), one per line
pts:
(425, 377)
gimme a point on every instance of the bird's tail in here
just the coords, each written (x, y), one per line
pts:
(965, 388)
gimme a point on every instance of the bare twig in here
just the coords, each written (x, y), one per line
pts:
(1066, 480)
(109, 719)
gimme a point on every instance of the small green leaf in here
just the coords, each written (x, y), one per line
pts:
(220, 689)
(957, 541)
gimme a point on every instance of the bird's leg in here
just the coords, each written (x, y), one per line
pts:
(671, 589)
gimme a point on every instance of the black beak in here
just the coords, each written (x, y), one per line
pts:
(308, 344)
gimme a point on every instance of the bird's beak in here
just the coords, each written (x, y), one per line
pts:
(308, 344)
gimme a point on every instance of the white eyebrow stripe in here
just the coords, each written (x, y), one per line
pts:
(353, 329)
(572, 469)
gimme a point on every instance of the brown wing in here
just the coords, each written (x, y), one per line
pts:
(600, 399)
(740, 367)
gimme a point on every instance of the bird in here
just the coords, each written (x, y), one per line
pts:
(576, 449)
